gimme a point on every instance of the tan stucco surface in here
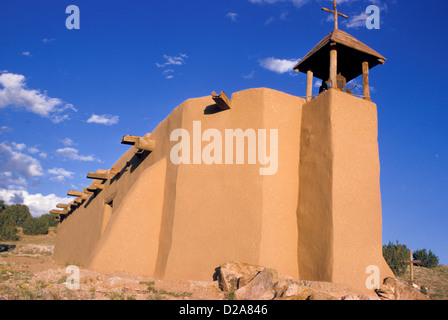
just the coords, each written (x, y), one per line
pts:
(317, 218)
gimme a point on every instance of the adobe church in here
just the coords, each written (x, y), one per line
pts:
(317, 216)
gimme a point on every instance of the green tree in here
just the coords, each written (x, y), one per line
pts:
(394, 254)
(2, 205)
(35, 226)
(8, 230)
(50, 218)
(429, 260)
(19, 212)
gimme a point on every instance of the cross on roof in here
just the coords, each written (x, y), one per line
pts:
(336, 14)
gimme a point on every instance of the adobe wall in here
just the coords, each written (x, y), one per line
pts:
(317, 218)
(182, 221)
(339, 210)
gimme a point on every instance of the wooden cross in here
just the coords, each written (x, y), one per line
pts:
(336, 14)
(412, 262)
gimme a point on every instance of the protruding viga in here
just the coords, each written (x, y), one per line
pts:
(79, 194)
(222, 101)
(143, 143)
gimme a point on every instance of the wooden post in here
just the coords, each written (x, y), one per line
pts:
(365, 80)
(333, 66)
(309, 85)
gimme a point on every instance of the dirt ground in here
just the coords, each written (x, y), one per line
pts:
(28, 272)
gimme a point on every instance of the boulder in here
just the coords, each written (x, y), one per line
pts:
(234, 275)
(261, 287)
(394, 289)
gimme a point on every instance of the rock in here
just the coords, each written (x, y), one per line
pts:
(321, 296)
(234, 275)
(292, 290)
(228, 280)
(394, 289)
(261, 287)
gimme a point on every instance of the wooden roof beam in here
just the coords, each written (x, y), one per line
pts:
(114, 171)
(221, 100)
(60, 212)
(98, 176)
(86, 191)
(79, 194)
(79, 200)
(141, 143)
(99, 186)
(73, 204)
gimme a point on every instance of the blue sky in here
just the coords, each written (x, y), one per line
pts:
(68, 96)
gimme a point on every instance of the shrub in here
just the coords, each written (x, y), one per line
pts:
(429, 260)
(8, 230)
(394, 254)
(50, 219)
(19, 212)
(35, 226)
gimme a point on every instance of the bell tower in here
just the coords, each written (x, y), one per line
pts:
(339, 210)
(338, 59)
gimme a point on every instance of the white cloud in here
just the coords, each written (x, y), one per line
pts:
(37, 203)
(18, 146)
(278, 65)
(249, 76)
(357, 21)
(73, 154)
(8, 179)
(60, 174)
(16, 166)
(232, 16)
(15, 93)
(48, 40)
(105, 119)
(173, 61)
(297, 3)
(33, 150)
(168, 73)
(43, 155)
(67, 142)
(4, 129)
(26, 54)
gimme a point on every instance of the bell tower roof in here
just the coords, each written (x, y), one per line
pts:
(352, 53)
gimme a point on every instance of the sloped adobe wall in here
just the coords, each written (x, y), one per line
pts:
(182, 221)
(313, 211)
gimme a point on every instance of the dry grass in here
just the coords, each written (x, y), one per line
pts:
(434, 280)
